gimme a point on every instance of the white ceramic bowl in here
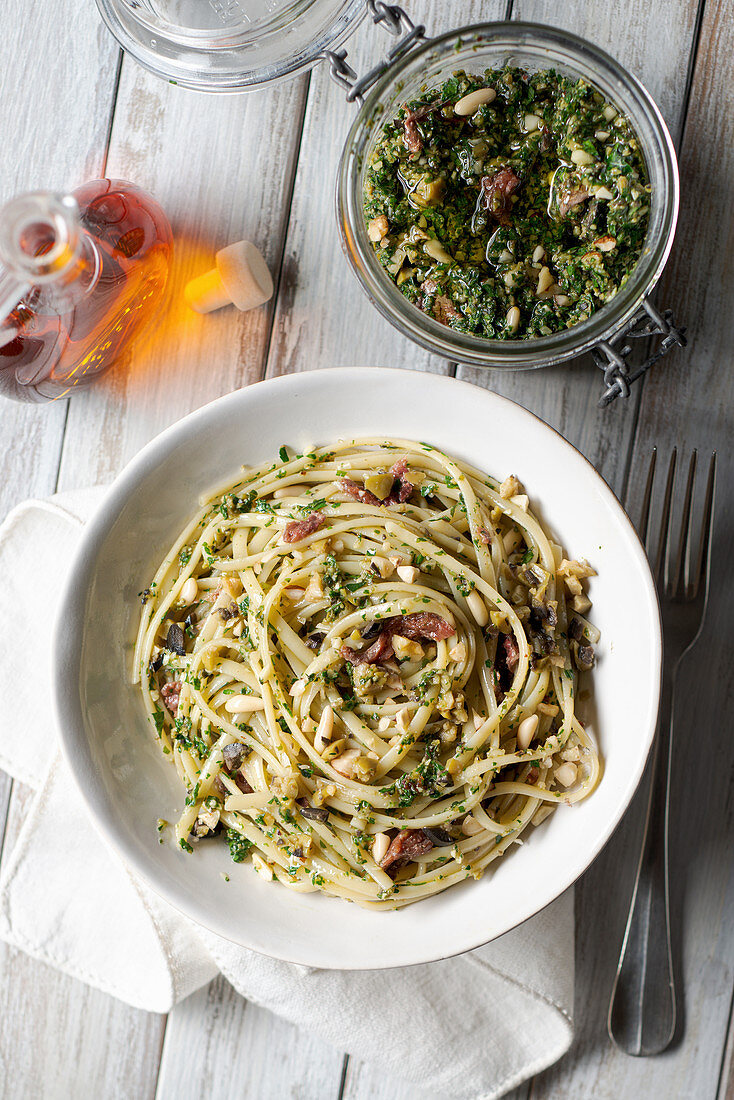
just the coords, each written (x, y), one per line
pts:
(127, 783)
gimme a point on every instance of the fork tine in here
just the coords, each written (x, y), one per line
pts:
(663, 550)
(677, 588)
(644, 523)
(700, 575)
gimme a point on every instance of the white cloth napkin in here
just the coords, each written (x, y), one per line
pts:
(471, 1027)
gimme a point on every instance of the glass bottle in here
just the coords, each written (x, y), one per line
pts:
(82, 274)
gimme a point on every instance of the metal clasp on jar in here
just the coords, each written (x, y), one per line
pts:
(395, 21)
(611, 355)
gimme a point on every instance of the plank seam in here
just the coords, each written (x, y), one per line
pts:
(727, 1056)
(286, 230)
(161, 1044)
(6, 815)
(343, 1080)
(63, 437)
(690, 76)
(111, 123)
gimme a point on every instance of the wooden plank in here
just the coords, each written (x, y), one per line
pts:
(168, 140)
(306, 329)
(60, 1037)
(687, 402)
(726, 1078)
(54, 67)
(307, 334)
(566, 397)
(217, 1046)
(323, 319)
(221, 167)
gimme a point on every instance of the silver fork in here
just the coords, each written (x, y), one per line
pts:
(642, 1009)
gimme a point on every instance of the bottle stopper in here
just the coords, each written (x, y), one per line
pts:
(241, 278)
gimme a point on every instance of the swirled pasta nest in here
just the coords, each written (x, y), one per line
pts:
(363, 662)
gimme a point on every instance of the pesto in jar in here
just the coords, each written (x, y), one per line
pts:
(509, 204)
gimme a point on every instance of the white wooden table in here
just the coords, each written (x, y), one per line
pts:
(263, 166)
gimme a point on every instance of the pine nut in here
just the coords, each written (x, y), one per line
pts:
(478, 608)
(603, 193)
(378, 228)
(506, 256)
(264, 869)
(189, 590)
(380, 845)
(471, 103)
(458, 652)
(510, 486)
(297, 688)
(384, 567)
(532, 122)
(545, 280)
(293, 592)
(325, 727)
(513, 318)
(601, 135)
(383, 725)
(244, 704)
(405, 648)
(610, 112)
(562, 299)
(581, 157)
(566, 774)
(521, 500)
(538, 254)
(470, 826)
(402, 718)
(605, 244)
(407, 573)
(314, 592)
(526, 731)
(437, 252)
(344, 763)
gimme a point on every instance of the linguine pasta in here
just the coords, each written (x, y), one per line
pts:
(363, 662)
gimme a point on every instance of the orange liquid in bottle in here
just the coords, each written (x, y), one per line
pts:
(66, 338)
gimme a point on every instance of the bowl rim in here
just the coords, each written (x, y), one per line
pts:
(67, 648)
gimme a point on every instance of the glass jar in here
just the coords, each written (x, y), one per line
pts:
(229, 45)
(81, 277)
(532, 47)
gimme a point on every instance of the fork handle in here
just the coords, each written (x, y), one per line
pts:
(642, 1009)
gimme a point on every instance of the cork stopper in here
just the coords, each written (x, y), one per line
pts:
(241, 278)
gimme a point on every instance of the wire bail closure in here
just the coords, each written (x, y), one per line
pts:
(395, 21)
(612, 359)
(607, 354)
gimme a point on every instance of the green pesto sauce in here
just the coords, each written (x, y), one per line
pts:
(538, 259)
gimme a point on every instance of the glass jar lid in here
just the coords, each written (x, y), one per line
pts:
(229, 45)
